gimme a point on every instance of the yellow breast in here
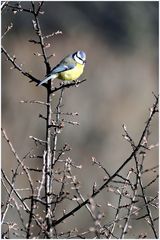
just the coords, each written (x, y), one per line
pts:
(72, 74)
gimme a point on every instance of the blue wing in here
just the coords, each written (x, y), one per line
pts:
(62, 68)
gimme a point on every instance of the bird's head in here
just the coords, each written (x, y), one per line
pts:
(79, 57)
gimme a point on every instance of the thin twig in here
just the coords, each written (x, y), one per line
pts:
(116, 172)
(16, 66)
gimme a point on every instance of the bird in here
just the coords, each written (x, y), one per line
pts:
(69, 69)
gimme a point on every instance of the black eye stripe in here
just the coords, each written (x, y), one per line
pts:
(75, 55)
(80, 58)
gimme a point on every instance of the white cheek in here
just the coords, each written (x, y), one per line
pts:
(78, 60)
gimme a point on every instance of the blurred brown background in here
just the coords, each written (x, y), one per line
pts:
(121, 43)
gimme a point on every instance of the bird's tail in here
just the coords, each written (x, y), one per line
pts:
(52, 76)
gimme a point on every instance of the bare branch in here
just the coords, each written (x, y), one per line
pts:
(118, 170)
(16, 66)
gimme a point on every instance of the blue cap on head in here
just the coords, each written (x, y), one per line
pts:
(80, 56)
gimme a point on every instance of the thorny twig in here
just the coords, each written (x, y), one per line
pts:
(45, 194)
(118, 170)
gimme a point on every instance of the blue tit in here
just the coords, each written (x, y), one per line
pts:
(69, 69)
